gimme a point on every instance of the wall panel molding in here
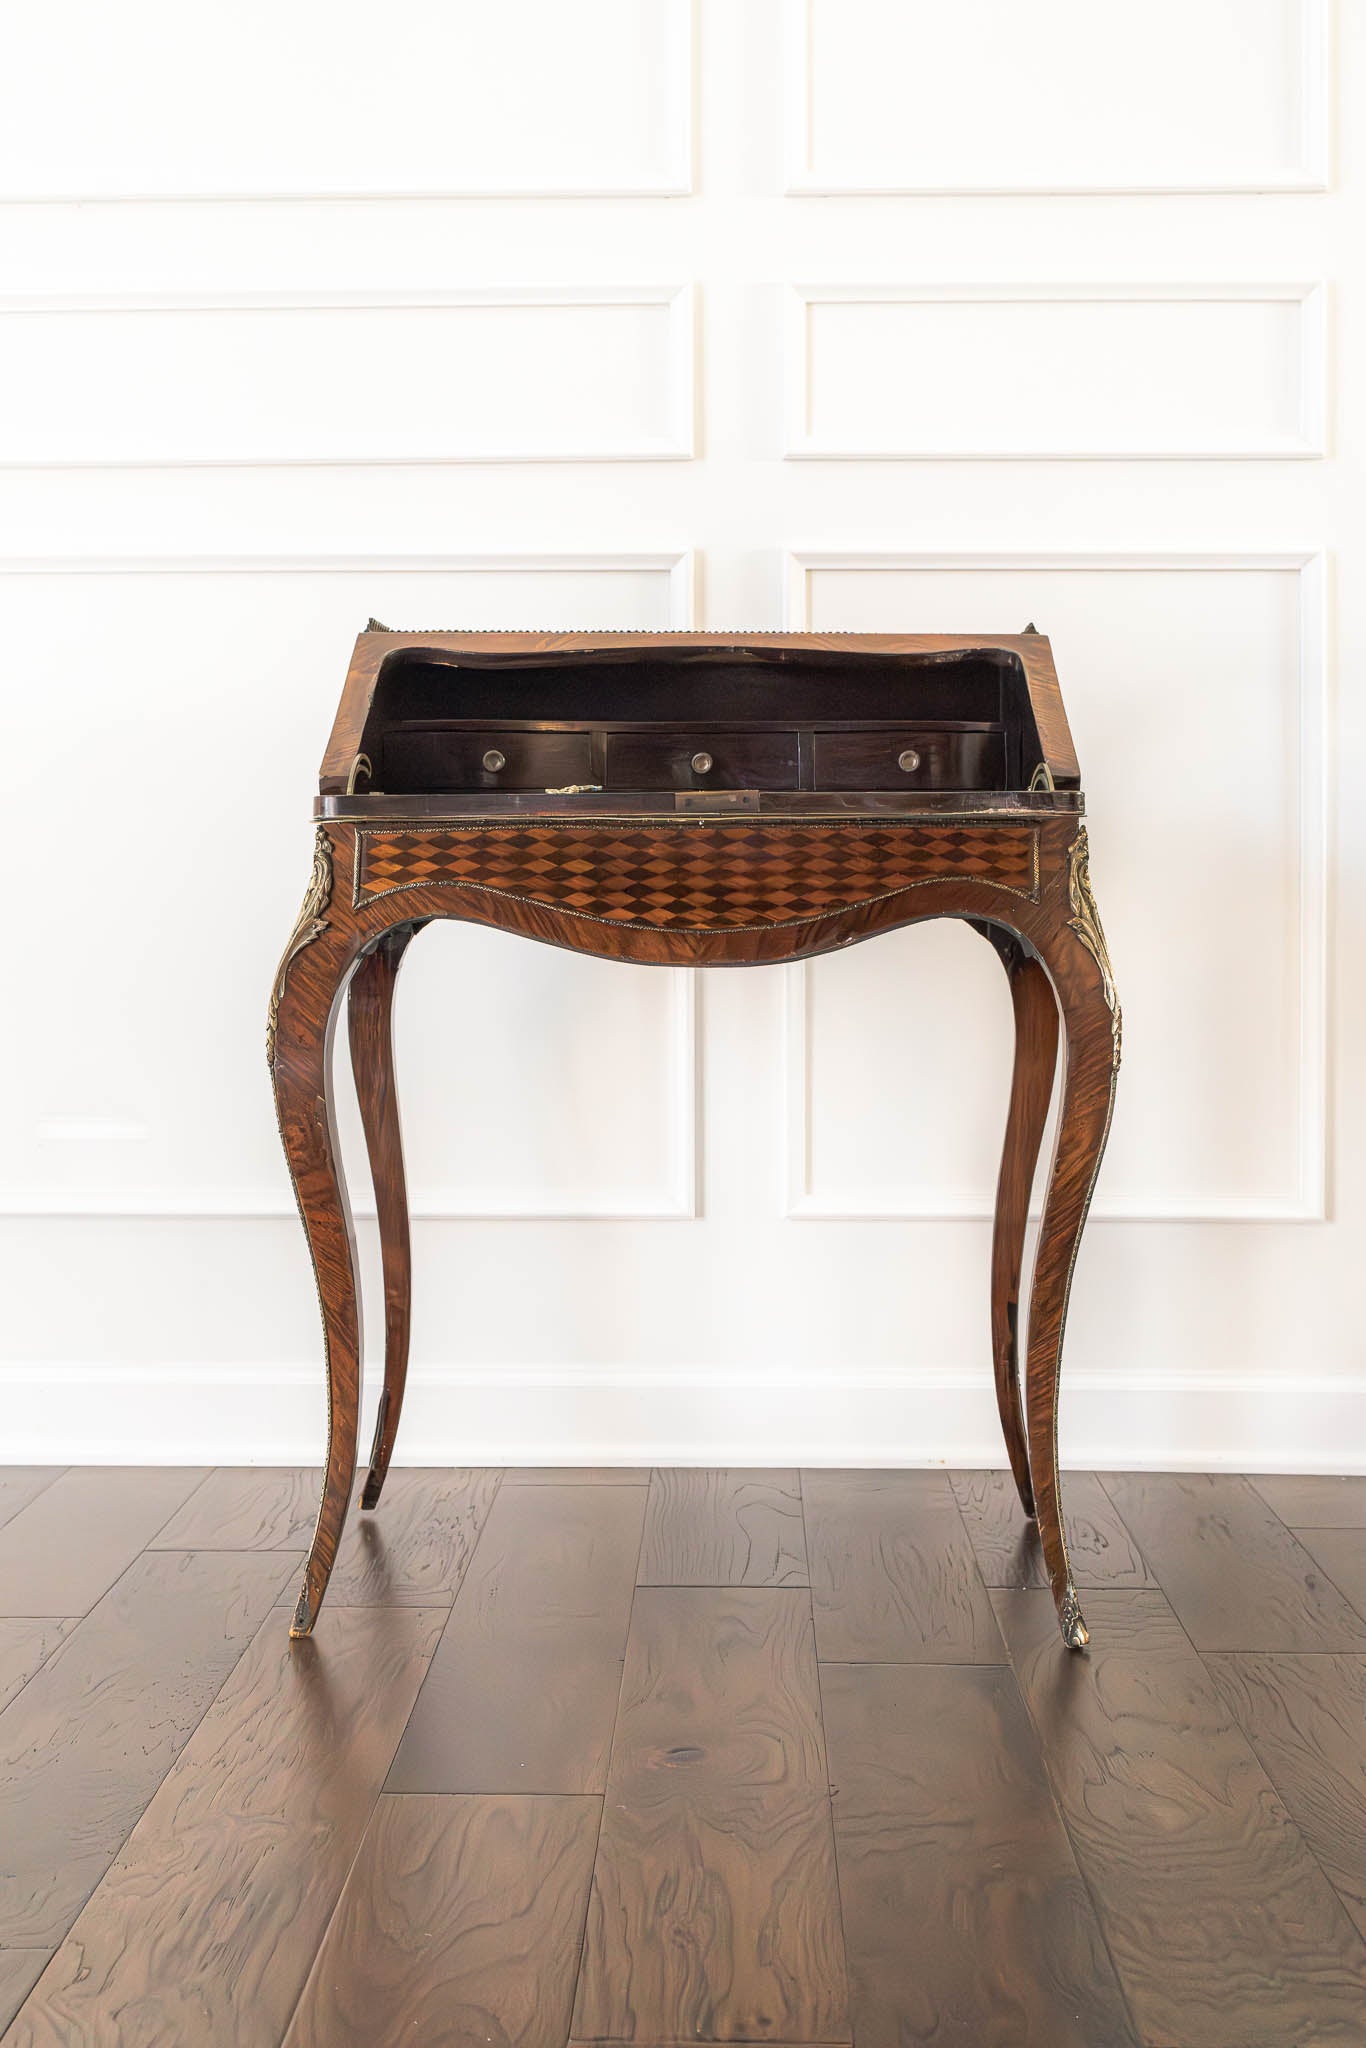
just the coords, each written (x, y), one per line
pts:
(146, 408)
(358, 108)
(1305, 1201)
(1294, 427)
(676, 1201)
(677, 1197)
(1028, 166)
(678, 565)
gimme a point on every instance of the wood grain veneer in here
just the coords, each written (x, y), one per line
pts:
(743, 841)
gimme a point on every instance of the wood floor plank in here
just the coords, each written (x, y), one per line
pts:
(523, 1689)
(714, 1911)
(26, 1642)
(20, 1969)
(1232, 1570)
(894, 1578)
(723, 1528)
(1006, 1541)
(247, 1507)
(1221, 1924)
(460, 1922)
(1209, 1808)
(578, 1475)
(965, 1916)
(86, 1743)
(1342, 1554)
(65, 1549)
(205, 1928)
(1306, 1719)
(413, 1550)
(19, 1484)
(720, 1691)
(1314, 1500)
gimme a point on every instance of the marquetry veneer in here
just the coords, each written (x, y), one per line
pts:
(698, 799)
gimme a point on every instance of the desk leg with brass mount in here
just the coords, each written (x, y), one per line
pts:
(354, 934)
(316, 965)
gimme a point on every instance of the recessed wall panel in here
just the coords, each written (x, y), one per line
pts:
(190, 708)
(329, 97)
(952, 371)
(990, 96)
(1194, 696)
(554, 375)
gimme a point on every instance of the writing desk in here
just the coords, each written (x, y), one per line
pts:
(698, 800)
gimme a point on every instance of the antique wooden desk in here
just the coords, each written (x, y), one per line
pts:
(697, 799)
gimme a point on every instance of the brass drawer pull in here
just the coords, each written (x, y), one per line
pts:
(495, 761)
(908, 761)
(702, 764)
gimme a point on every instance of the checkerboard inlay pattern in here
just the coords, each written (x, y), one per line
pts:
(695, 877)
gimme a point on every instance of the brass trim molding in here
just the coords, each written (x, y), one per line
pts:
(310, 925)
(1085, 922)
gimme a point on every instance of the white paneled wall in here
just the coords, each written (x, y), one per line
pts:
(259, 101)
(646, 313)
(120, 1121)
(1227, 653)
(1222, 96)
(1138, 371)
(593, 374)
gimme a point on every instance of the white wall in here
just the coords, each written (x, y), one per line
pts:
(840, 313)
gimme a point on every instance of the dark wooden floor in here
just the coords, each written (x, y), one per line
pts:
(681, 1757)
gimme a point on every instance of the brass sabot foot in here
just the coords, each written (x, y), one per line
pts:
(1075, 1633)
(305, 1614)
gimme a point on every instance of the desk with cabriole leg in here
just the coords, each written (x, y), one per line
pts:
(704, 800)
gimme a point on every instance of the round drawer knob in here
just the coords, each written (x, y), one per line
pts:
(494, 761)
(702, 764)
(908, 761)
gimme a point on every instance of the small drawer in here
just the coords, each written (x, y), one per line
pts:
(693, 757)
(419, 758)
(908, 760)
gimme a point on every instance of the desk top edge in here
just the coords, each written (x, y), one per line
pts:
(984, 807)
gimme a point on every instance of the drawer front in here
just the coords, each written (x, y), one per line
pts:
(691, 757)
(908, 760)
(695, 877)
(420, 758)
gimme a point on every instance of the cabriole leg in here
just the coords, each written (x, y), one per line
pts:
(1031, 1091)
(303, 1011)
(1079, 967)
(370, 1010)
